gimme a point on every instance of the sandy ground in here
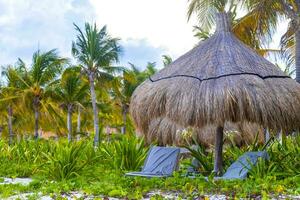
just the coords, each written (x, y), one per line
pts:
(22, 181)
(80, 195)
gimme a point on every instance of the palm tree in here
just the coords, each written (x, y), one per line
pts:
(44, 70)
(273, 12)
(125, 85)
(1, 130)
(84, 102)
(10, 94)
(7, 103)
(70, 92)
(96, 50)
(122, 91)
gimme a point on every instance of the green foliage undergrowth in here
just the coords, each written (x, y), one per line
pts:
(59, 167)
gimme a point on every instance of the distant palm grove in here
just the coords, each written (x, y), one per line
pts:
(53, 97)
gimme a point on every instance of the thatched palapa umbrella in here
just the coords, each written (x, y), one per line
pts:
(220, 80)
(166, 132)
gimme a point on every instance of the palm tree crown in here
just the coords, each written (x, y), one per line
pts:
(44, 69)
(95, 49)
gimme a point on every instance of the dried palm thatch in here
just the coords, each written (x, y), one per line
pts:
(166, 132)
(219, 80)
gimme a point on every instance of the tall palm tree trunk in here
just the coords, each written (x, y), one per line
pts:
(69, 123)
(297, 57)
(36, 117)
(124, 116)
(10, 130)
(95, 110)
(1, 130)
(78, 120)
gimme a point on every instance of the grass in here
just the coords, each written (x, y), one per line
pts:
(58, 168)
(113, 184)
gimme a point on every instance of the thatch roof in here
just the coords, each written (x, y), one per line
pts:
(166, 132)
(220, 80)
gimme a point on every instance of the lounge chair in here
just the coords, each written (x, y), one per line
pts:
(240, 168)
(237, 170)
(160, 162)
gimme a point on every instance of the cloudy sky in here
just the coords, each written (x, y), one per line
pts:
(148, 28)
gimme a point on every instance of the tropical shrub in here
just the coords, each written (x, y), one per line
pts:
(127, 153)
(22, 159)
(284, 160)
(67, 161)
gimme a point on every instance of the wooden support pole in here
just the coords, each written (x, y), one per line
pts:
(218, 164)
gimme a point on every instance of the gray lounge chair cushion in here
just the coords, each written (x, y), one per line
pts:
(160, 162)
(240, 168)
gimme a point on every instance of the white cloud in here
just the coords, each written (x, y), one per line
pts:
(148, 28)
(163, 23)
(26, 25)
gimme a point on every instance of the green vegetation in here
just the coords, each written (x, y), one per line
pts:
(68, 161)
(50, 93)
(125, 154)
(59, 167)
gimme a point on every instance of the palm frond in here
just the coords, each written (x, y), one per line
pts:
(200, 33)
(287, 44)
(265, 16)
(167, 60)
(205, 10)
(95, 48)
